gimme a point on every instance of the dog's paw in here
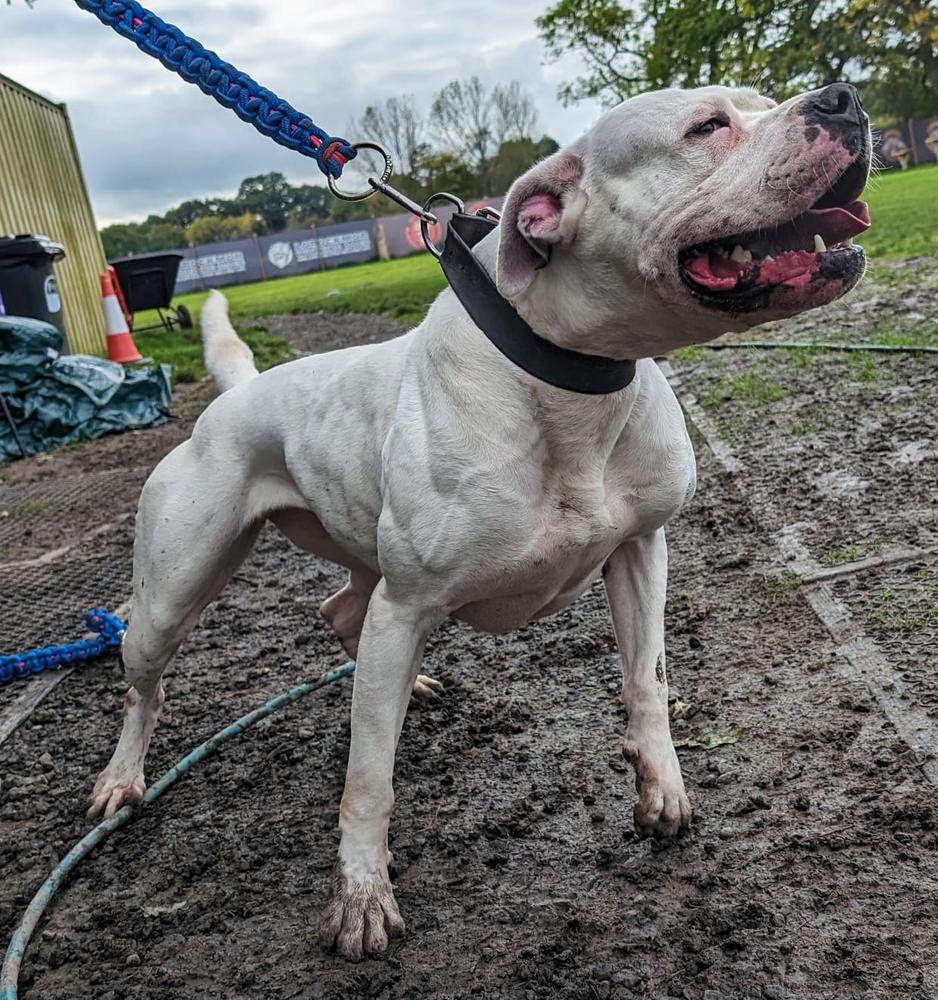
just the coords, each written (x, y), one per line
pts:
(663, 809)
(427, 687)
(113, 790)
(361, 916)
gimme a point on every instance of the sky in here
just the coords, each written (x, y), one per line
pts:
(148, 140)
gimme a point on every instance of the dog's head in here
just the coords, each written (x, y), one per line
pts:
(683, 214)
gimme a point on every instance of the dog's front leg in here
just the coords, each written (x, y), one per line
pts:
(362, 913)
(636, 577)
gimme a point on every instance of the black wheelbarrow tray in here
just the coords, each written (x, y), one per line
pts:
(148, 281)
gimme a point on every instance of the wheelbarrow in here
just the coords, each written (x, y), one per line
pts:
(148, 281)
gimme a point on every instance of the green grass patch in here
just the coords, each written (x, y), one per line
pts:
(401, 289)
(904, 214)
(864, 365)
(781, 588)
(183, 350)
(802, 357)
(750, 387)
(907, 612)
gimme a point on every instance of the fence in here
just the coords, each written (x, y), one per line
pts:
(301, 251)
(904, 144)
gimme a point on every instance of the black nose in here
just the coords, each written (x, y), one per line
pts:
(837, 105)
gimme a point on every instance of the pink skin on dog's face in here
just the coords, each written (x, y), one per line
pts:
(798, 256)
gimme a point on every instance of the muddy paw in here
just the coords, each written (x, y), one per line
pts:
(663, 809)
(113, 791)
(360, 916)
(427, 687)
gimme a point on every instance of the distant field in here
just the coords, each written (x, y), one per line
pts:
(903, 206)
(904, 210)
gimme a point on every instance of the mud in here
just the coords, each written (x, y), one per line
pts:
(810, 870)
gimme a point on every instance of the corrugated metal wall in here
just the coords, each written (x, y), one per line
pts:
(42, 190)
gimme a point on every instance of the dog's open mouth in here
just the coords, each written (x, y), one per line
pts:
(741, 268)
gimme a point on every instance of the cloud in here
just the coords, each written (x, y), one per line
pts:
(148, 140)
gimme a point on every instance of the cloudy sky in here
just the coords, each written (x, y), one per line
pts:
(148, 140)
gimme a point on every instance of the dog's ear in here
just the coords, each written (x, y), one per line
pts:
(542, 210)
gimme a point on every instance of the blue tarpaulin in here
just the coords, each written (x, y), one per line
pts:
(55, 399)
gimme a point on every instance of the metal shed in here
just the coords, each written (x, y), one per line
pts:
(42, 190)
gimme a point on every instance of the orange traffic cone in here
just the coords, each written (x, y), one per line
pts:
(120, 344)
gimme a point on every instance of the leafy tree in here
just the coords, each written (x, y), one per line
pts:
(783, 46)
(513, 158)
(123, 239)
(187, 212)
(309, 204)
(438, 172)
(471, 122)
(213, 228)
(269, 196)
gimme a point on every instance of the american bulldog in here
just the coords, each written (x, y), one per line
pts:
(450, 482)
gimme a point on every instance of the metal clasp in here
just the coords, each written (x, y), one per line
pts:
(380, 185)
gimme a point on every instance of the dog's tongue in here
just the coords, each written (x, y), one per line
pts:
(714, 271)
(836, 224)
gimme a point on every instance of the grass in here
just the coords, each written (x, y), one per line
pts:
(907, 612)
(904, 213)
(401, 289)
(750, 387)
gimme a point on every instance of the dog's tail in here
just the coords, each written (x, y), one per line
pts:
(227, 357)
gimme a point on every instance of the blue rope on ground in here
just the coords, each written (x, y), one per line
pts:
(10, 972)
(233, 89)
(110, 629)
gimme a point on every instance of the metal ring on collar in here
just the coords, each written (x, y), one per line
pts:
(374, 185)
(424, 224)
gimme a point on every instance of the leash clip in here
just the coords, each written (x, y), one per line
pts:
(380, 185)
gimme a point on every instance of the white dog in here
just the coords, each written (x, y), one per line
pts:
(452, 483)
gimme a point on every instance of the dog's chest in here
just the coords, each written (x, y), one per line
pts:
(567, 537)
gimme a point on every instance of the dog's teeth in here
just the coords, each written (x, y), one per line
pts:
(819, 245)
(740, 255)
(848, 242)
(722, 252)
(768, 257)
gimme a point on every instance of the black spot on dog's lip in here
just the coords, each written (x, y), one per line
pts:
(811, 133)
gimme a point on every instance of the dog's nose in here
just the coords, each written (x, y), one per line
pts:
(837, 105)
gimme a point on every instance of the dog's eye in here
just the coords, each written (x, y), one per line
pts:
(710, 125)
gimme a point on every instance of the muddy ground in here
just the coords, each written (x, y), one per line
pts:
(811, 868)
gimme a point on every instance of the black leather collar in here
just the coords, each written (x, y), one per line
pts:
(498, 320)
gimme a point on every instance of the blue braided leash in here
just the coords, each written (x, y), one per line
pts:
(233, 89)
(109, 628)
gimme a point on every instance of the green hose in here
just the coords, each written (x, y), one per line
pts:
(9, 975)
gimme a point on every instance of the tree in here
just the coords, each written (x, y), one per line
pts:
(513, 158)
(783, 46)
(269, 196)
(125, 238)
(310, 204)
(214, 228)
(400, 127)
(471, 122)
(438, 172)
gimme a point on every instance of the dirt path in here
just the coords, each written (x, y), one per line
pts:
(811, 869)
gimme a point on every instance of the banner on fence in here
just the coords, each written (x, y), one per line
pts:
(254, 258)
(300, 251)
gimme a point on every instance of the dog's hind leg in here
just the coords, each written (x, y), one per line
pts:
(190, 539)
(345, 612)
